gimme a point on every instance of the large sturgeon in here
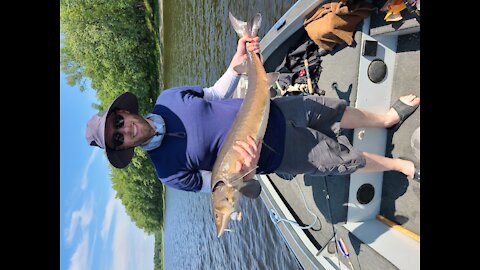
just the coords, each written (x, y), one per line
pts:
(251, 120)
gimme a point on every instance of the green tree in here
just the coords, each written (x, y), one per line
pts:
(110, 43)
(113, 44)
(142, 195)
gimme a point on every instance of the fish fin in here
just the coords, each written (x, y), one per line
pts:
(241, 68)
(239, 26)
(272, 77)
(254, 24)
(237, 181)
(251, 189)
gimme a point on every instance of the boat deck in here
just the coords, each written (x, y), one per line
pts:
(400, 198)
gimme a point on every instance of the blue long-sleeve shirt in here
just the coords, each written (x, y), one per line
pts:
(180, 160)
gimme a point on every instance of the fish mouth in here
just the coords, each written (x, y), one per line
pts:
(223, 205)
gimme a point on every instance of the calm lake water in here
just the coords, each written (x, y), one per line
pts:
(199, 44)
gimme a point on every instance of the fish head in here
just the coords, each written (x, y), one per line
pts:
(224, 203)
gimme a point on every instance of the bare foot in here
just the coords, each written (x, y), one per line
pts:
(392, 116)
(407, 167)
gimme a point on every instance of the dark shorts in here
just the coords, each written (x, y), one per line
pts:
(313, 144)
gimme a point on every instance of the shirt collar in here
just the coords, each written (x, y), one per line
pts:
(156, 140)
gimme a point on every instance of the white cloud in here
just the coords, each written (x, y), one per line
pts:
(107, 220)
(84, 215)
(143, 250)
(131, 247)
(84, 181)
(120, 245)
(80, 259)
(92, 251)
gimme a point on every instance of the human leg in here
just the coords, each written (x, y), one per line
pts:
(317, 112)
(376, 163)
(309, 151)
(313, 141)
(359, 118)
(314, 146)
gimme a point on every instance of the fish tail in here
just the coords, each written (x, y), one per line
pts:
(249, 29)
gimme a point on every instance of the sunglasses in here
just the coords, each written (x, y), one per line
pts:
(118, 123)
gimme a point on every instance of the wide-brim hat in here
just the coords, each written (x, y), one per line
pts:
(96, 130)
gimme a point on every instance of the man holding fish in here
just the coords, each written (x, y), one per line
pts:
(194, 131)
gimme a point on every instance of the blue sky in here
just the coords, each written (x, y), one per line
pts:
(95, 232)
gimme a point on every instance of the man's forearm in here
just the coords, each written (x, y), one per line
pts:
(223, 88)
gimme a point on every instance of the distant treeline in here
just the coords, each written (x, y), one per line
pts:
(115, 44)
(158, 251)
